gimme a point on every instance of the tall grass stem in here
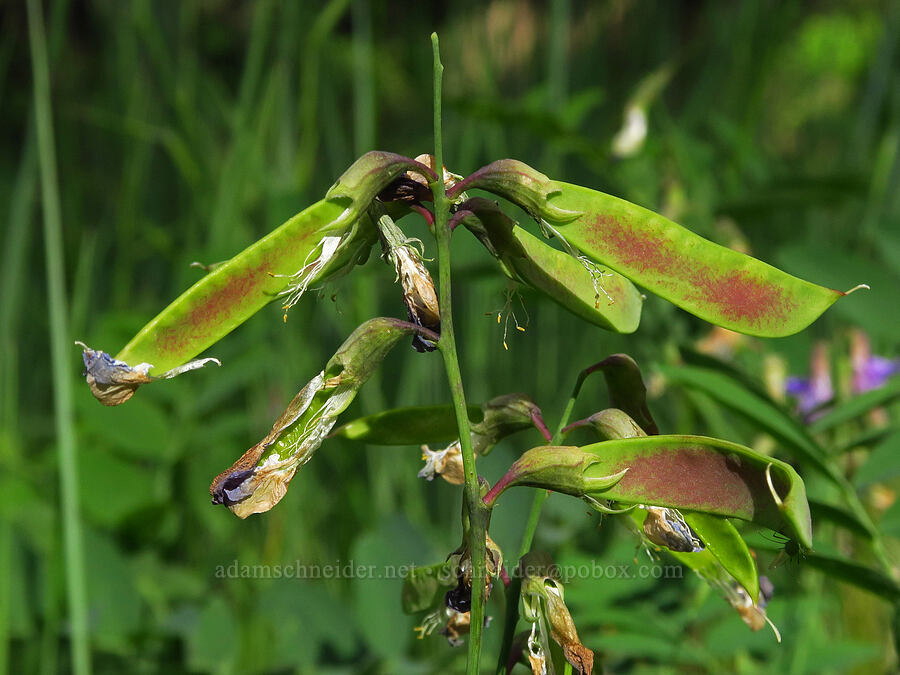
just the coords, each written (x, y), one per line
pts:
(60, 346)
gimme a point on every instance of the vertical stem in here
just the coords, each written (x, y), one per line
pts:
(478, 513)
(363, 79)
(60, 341)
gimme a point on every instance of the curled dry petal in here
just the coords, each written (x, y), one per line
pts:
(113, 382)
(419, 294)
(446, 463)
(545, 603)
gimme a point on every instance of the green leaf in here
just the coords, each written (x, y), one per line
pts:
(761, 411)
(857, 406)
(858, 575)
(882, 464)
(412, 425)
(823, 511)
(870, 438)
(713, 282)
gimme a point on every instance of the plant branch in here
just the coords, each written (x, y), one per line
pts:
(478, 513)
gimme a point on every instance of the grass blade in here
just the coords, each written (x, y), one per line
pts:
(60, 343)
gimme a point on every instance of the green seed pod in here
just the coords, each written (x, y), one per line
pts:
(689, 473)
(715, 283)
(597, 295)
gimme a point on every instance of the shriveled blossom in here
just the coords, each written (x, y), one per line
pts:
(446, 463)
(545, 608)
(419, 294)
(113, 382)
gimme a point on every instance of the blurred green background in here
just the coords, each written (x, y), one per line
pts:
(186, 130)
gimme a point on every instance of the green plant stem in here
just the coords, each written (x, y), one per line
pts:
(364, 118)
(478, 512)
(515, 586)
(60, 342)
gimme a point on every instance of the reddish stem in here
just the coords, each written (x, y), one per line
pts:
(425, 213)
(574, 425)
(538, 421)
(499, 487)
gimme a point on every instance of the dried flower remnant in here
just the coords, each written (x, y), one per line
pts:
(753, 615)
(666, 527)
(450, 179)
(446, 463)
(545, 608)
(502, 416)
(302, 278)
(419, 294)
(113, 382)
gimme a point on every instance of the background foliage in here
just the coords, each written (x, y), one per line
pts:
(187, 130)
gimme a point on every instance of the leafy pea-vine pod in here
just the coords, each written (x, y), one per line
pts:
(320, 243)
(259, 479)
(676, 530)
(597, 295)
(715, 283)
(691, 473)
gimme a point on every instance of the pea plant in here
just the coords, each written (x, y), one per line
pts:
(679, 493)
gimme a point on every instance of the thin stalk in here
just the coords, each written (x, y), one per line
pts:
(60, 342)
(534, 515)
(363, 78)
(478, 513)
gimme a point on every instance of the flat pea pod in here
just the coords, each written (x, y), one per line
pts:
(709, 475)
(688, 473)
(713, 282)
(237, 289)
(720, 537)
